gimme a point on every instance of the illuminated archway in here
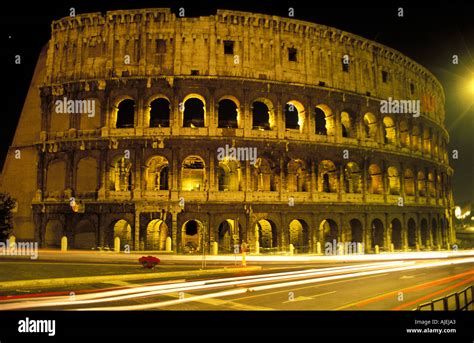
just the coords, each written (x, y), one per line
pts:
(370, 126)
(329, 230)
(266, 235)
(156, 174)
(191, 232)
(294, 115)
(299, 235)
(263, 115)
(193, 174)
(156, 234)
(194, 111)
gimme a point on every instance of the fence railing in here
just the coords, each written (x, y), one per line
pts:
(459, 301)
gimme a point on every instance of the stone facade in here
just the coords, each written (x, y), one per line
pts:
(169, 92)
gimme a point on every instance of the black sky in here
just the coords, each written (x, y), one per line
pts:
(431, 35)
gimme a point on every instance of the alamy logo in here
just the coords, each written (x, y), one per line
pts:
(37, 326)
(343, 248)
(9, 248)
(400, 106)
(237, 154)
(66, 105)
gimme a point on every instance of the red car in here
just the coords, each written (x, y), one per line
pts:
(149, 261)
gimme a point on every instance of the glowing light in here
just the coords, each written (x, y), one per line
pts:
(457, 212)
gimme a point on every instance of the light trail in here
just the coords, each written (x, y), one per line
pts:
(274, 286)
(136, 292)
(286, 279)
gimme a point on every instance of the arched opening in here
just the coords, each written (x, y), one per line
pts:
(56, 178)
(424, 232)
(409, 182)
(411, 233)
(370, 126)
(378, 237)
(53, 233)
(87, 171)
(193, 177)
(427, 140)
(125, 114)
(264, 179)
(434, 232)
(421, 184)
(156, 234)
(329, 230)
(266, 235)
(397, 239)
(390, 136)
(431, 185)
(262, 115)
(328, 181)
(416, 138)
(357, 232)
(120, 174)
(299, 235)
(156, 174)
(375, 179)
(229, 175)
(352, 178)
(294, 115)
(228, 235)
(160, 113)
(324, 120)
(194, 112)
(348, 125)
(191, 236)
(297, 176)
(85, 235)
(123, 230)
(393, 181)
(444, 233)
(404, 134)
(228, 113)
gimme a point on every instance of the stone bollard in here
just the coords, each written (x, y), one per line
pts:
(257, 247)
(417, 247)
(359, 248)
(11, 241)
(438, 247)
(64, 244)
(292, 249)
(318, 248)
(168, 244)
(340, 249)
(117, 244)
(214, 248)
(377, 249)
(392, 247)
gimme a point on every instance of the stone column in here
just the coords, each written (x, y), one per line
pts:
(136, 240)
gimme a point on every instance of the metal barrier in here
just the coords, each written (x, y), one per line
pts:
(459, 301)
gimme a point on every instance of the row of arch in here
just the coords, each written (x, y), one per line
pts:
(321, 120)
(368, 126)
(264, 233)
(348, 177)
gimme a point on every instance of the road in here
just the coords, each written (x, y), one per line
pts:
(384, 285)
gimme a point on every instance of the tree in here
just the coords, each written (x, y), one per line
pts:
(7, 204)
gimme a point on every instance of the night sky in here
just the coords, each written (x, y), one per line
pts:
(430, 36)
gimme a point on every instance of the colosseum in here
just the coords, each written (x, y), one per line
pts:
(192, 134)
